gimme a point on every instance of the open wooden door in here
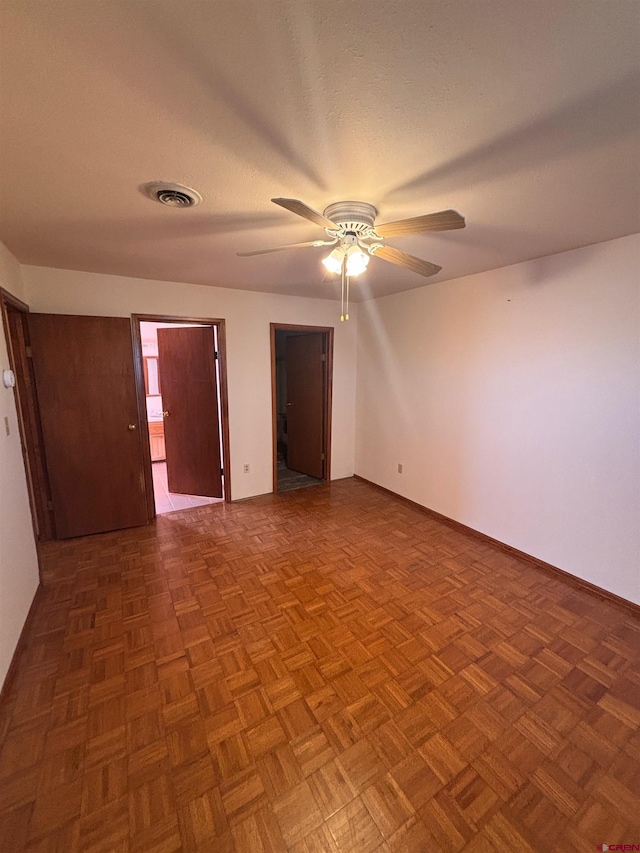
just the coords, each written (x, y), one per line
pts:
(88, 410)
(306, 365)
(187, 369)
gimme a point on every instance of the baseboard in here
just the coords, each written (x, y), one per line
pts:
(20, 647)
(583, 585)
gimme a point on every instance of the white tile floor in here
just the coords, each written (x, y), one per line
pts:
(166, 501)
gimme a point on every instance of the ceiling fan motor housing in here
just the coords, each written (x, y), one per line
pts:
(352, 216)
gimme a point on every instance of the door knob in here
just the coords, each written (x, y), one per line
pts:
(132, 426)
(287, 404)
(165, 414)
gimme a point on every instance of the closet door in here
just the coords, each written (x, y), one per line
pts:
(306, 370)
(92, 439)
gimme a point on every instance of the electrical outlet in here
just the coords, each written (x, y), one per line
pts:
(399, 468)
(246, 469)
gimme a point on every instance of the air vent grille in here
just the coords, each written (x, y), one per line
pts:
(172, 195)
(174, 198)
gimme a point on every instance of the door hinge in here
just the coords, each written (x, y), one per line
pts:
(323, 357)
(222, 472)
(29, 352)
(322, 456)
(215, 355)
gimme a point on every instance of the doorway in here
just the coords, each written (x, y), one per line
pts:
(183, 379)
(82, 416)
(301, 388)
(16, 329)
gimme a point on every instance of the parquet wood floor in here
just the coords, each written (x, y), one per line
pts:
(324, 671)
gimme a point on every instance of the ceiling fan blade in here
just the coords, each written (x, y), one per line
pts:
(444, 220)
(290, 246)
(302, 209)
(402, 259)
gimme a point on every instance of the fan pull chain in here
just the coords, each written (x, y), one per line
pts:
(346, 316)
(342, 278)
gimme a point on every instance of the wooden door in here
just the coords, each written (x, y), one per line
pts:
(187, 370)
(305, 403)
(88, 409)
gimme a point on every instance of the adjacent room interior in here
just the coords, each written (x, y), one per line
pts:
(319, 426)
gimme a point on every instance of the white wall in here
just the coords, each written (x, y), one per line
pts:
(18, 561)
(511, 398)
(247, 317)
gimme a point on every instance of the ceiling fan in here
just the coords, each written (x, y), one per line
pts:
(351, 228)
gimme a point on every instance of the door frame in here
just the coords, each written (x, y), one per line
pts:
(327, 331)
(138, 365)
(29, 427)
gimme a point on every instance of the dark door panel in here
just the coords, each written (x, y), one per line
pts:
(86, 391)
(187, 370)
(305, 403)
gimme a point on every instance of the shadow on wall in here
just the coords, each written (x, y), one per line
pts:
(544, 271)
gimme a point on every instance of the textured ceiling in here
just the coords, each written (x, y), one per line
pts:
(522, 115)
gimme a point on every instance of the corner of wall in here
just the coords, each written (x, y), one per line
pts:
(19, 576)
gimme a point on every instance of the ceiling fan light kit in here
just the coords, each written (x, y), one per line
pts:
(357, 260)
(356, 238)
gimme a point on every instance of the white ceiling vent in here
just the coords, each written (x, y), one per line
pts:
(173, 195)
